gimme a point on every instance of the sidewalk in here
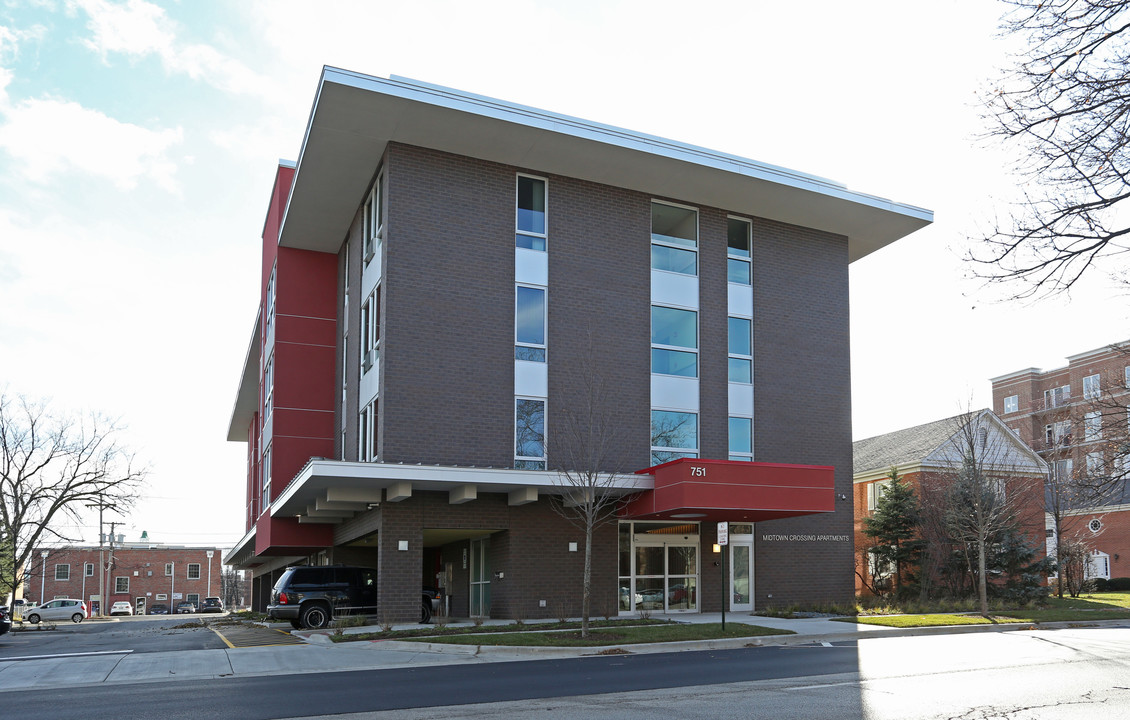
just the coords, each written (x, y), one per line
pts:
(320, 654)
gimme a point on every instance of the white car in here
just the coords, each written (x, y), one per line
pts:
(122, 607)
(58, 609)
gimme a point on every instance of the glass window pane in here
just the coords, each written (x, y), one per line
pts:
(674, 429)
(674, 362)
(670, 326)
(674, 260)
(737, 236)
(532, 354)
(682, 560)
(531, 205)
(529, 428)
(530, 242)
(737, 271)
(739, 336)
(674, 224)
(741, 435)
(649, 560)
(530, 315)
(741, 370)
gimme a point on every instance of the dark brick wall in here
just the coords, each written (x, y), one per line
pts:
(713, 341)
(802, 404)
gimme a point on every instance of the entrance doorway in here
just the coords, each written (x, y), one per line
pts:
(139, 606)
(741, 567)
(659, 567)
(480, 577)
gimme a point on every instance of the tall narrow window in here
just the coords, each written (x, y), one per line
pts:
(270, 303)
(269, 387)
(674, 239)
(1011, 403)
(374, 225)
(265, 471)
(529, 434)
(367, 433)
(529, 323)
(738, 241)
(674, 341)
(370, 330)
(88, 570)
(1092, 426)
(530, 220)
(740, 350)
(1091, 386)
(741, 438)
(673, 435)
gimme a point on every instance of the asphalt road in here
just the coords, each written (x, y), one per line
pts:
(1023, 675)
(141, 634)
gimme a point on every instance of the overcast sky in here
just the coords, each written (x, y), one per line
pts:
(139, 140)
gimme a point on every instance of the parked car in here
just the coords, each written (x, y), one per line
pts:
(311, 596)
(158, 609)
(5, 621)
(58, 609)
(212, 604)
(121, 607)
(186, 607)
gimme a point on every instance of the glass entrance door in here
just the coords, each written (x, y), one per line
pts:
(741, 576)
(480, 578)
(666, 578)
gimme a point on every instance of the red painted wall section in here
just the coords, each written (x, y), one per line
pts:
(715, 490)
(284, 536)
(279, 195)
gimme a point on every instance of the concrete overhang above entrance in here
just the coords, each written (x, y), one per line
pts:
(331, 491)
(355, 117)
(716, 490)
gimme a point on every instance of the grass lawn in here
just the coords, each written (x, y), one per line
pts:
(1085, 608)
(626, 635)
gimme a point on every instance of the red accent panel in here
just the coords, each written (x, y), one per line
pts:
(307, 283)
(305, 378)
(715, 490)
(284, 536)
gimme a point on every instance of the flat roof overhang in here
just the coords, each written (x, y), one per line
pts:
(355, 116)
(716, 490)
(332, 491)
(247, 395)
(243, 554)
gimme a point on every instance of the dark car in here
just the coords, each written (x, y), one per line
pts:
(311, 596)
(5, 621)
(158, 609)
(212, 604)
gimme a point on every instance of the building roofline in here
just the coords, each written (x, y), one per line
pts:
(355, 116)
(247, 393)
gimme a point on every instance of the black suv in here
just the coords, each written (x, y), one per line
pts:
(311, 596)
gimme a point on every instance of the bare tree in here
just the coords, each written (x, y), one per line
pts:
(232, 587)
(51, 466)
(984, 492)
(1063, 105)
(587, 448)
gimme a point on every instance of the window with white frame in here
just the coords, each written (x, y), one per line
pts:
(674, 341)
(875, 491)
(674, 435)
(270, 303)
(741, 439)
(63, 571)
(740, 345)
(530, 224)
(1092, 426)
(370, 330)
(265, 472)
(1058, 433)
(529, 434)
(739, 234)
(344, 336)
(193, 598)
(1011, 403)
(1091, 387)
(373, 225)
(121, 584)
(193, 571)
(89, 570)
(1062, 470)
(168, 569)
(367, 432)
(1098, 565)
(674, 238)
(1057, 396)
(268, 387)
(529, 323)
(1126, 377)
(1094, 464)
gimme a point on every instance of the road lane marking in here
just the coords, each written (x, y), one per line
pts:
(67, 655)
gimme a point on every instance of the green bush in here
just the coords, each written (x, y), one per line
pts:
(1121, 584)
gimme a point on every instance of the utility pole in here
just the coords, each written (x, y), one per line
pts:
(107, 569)
(101, 505)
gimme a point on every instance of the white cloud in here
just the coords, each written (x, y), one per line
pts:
(138, 29)
(50, 136)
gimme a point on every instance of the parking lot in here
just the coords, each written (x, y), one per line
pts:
(139, 634)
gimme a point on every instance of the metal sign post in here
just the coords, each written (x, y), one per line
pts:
(723, 541)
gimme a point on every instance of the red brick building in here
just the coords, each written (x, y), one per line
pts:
(927, 456)
(1077, 417)
(142, 574)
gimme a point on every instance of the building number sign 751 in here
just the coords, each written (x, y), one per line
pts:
(698, 471)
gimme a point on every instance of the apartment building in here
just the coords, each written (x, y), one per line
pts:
(463, 301)
(1077, 417)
